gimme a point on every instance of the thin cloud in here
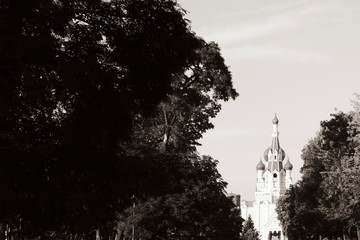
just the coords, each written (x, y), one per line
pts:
(233, 132)
(278, 54)
(251, 31)
(265, 25)
(283, 32)
(268, 20)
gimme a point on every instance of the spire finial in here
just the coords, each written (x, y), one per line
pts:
(275, 120)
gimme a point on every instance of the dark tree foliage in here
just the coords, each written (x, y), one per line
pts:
(196, 208)
(341, 199)
(300, 216)
(101, 101)
(336, 141)
(311, 208)
(188, 200)
(249, 232)
(74, 74)
(181, 120)
(355, 128)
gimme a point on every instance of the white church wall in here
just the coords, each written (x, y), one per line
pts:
(272, 180)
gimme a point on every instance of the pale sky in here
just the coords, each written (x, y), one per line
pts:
(300, 58)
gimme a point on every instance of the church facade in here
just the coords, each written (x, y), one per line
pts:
(273, 178)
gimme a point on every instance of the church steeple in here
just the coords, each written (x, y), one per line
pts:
(274, 155)
(273, 178)
(275, 145)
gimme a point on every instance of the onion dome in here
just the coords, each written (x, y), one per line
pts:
(260, 166)
(275, 120)
(288, 165)
(281, 153)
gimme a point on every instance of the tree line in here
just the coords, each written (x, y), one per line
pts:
(325, 203)
(102, 104)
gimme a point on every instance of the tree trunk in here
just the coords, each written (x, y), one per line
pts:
(349, 233)
(358, 233)
(2, 231)
(117, 236)
(97, 234)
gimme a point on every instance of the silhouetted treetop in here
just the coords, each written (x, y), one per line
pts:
(73, 76)
(324, 203)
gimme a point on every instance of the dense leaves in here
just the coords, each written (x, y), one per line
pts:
(101, 101)
(249, 232)
(181, 120)
(197, 208)
(190, 201)
(341, 200)
(325, 202)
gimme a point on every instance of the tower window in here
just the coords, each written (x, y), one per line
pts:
(275, 175)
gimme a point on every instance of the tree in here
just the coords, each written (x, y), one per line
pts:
(300, 216)
(88, 89)
(185, 115)
(286, 211)
(249, 232)
(301, 210)
(341, 200)
(189, 200)
(74, 76)
(196, 208)
(336, 143)
(355, 129)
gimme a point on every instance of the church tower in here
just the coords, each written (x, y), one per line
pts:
(273, 178)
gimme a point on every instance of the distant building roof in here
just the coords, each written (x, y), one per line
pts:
(247, 203)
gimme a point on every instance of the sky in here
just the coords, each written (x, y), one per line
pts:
(300, 59)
